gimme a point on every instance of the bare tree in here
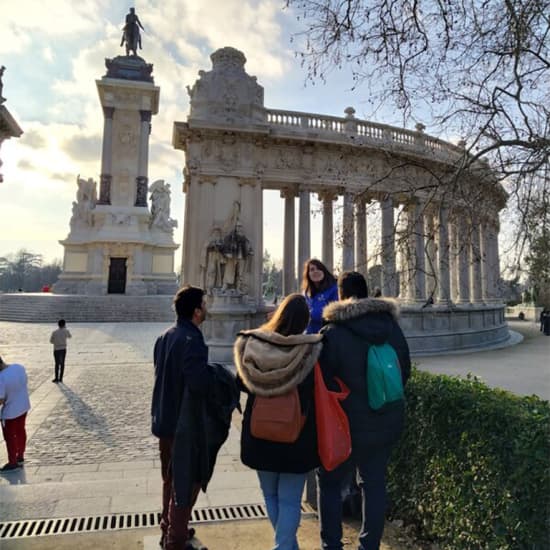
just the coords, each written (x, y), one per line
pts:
(476, 69)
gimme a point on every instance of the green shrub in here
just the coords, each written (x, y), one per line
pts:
(472, 469)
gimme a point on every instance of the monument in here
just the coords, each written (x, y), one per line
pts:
(438, 226)
(116, 243)
(8, 126)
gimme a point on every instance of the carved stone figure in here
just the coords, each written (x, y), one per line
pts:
(86, 199)
(160, 207)
(130, 32)
(212, 261)
(237, 252)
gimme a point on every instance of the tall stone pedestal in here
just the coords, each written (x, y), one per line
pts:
(116, 244)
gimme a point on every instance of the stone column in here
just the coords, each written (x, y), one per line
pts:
(289, 251)
(106, 177)
(489, 253)
(431, 254)
(388, 248)
(304, 230)
(143, 159)
(419, 254)
(495, 256)
(476, 291)
(463, 243)
(327, 198)
(444, 287)
(348, 240)
(454, 262)
(361, 257)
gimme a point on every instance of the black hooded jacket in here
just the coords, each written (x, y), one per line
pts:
(352, 327)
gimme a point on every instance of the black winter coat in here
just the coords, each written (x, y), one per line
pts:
(203, 426)
(353, 325)
(271, 364)
(181, 358)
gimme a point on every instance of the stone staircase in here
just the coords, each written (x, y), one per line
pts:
(46, 307)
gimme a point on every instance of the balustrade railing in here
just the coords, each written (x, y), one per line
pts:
(365, 131)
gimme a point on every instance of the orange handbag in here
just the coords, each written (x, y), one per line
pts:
(333, 433)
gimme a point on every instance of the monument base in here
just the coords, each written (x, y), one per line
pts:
(229, 312)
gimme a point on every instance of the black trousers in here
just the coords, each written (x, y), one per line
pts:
(59, 356)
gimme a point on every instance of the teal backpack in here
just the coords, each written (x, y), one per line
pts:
(384, 382)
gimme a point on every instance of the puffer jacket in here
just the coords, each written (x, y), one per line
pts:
(352, 327)
(271, 364)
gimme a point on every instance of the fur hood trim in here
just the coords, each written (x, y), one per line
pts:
(345, 310)
(272, 364)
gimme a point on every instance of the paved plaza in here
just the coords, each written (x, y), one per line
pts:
(89, 445)
(90, 448)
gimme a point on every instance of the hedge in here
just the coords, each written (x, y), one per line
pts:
(472, 469)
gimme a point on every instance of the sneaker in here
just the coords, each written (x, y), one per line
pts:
(20, 461)
(55, 380)
(9, 467)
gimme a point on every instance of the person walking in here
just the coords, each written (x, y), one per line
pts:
(353, 325)
(181, 368)
(59, 340)
(15, 403)
(319, 288)
(271, 361)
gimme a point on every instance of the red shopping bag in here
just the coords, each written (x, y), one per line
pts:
(333, 434)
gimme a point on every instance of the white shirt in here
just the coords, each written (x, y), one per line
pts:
(13, 388)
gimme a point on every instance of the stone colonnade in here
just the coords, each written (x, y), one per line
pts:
(444, 258)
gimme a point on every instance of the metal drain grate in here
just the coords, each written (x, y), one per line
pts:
(115, 522)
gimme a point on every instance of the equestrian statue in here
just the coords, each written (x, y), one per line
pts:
(130, 33)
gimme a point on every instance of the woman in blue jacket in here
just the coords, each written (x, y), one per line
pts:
(319, 288)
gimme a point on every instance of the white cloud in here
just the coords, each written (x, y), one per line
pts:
(47, 54)
(54, 17)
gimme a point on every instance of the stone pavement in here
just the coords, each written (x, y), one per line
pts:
(90, 449)
(89, 445)
(523, 369)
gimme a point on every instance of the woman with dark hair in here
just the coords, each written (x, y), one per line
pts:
(271, 361)
(319, 288)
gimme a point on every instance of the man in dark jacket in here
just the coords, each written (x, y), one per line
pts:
(181, 363)
(353, 324)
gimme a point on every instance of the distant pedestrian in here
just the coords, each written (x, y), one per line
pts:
(546, 323)
(543, 313)
(59, 341)
(14, 399)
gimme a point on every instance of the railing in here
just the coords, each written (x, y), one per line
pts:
(366, 132)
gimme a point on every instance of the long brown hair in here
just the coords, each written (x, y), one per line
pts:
(308, 286)
(291, 317)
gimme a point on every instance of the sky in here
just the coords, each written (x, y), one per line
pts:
(54, 51)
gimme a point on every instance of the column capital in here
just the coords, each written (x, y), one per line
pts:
(145, 116)
(288, 193)
(327, 195)
(108, 112)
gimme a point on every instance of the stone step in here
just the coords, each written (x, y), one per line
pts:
(42, 307)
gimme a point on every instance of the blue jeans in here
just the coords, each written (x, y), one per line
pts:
(283, 500)
(371, 479)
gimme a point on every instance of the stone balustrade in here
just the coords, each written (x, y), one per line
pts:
(364, 132)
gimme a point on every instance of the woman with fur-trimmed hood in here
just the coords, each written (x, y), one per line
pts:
(354, 324)
(272, 360)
